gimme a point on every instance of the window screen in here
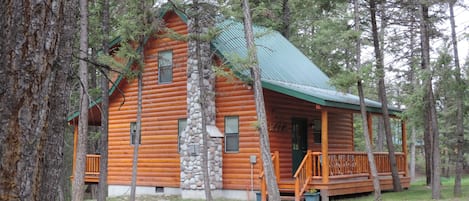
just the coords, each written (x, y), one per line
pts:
(165, 66)
(231, 134)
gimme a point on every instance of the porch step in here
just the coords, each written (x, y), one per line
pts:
(285, 196)
(287, 186)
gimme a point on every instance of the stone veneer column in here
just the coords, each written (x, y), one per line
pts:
(192, 137)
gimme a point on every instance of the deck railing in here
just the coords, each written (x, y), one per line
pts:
(343, 164)
(92, 165)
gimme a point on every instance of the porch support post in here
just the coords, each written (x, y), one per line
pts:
(404, 146)
(75, 141)
(324, 147)
(369, 119)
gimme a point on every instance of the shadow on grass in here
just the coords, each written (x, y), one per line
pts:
(418, 191)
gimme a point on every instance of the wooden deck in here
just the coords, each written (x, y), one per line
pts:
(346, 173)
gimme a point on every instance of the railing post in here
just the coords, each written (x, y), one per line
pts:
(309, 164)
(297, 189)
(324, 147)
(263, 189)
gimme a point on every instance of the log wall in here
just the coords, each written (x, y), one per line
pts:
(163, 105)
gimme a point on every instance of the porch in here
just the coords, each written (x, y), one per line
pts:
(91, 168)
(345, 173)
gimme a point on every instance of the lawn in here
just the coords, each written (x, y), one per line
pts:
(418, 191)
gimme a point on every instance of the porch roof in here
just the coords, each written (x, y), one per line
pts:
(284, 68)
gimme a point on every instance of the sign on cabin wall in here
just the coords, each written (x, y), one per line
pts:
(277, 126)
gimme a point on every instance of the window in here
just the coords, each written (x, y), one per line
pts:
(231, 134)
(165, 66)
(133, 133)
(182, 124)
(317, 131)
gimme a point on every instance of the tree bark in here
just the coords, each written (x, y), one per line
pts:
(430, 119)
(384, 103)
(80, 163)
(138, 134)
(459, 107)
(31, 37)
(366, 132)
(103, 162)
(52, 177)
(413, 140)
(286, 15)
(272, 187)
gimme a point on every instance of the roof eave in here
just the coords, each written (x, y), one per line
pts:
(321, 101)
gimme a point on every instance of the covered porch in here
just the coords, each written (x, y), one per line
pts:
(335, 172)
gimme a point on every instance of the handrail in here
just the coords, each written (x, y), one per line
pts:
(303, 175)
(276, 163)
(342, 163)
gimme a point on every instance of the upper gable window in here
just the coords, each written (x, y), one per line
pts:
(165, 66)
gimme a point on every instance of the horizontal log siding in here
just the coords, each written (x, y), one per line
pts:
(233, 98)
(163, 105)
(282, 108)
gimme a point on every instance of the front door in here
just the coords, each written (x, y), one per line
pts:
(299, 142)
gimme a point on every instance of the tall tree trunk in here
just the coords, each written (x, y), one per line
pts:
(80, 163)
(413, 140)
(459, 106)
(366, 132)
(203, 62)
(52, 180)
(414, 83)
(272, 187)
(102, 185)
(380, 134)
(286, 16)
(430, 120)
(384, 103)
(31, 38)
(137, 135)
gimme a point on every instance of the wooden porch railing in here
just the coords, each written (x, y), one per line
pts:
(343, 164)
(276, 162)
(92, 164)
(303, 175)
(91, 168)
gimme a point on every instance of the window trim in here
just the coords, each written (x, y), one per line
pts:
(227, 135)
(161, 67)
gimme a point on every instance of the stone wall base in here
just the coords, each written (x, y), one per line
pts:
(120, 190)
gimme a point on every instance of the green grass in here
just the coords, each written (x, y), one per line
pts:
(418, 191)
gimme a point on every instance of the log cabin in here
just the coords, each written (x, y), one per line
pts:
(310, 124)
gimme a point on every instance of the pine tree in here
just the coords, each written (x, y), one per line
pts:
(272, 187)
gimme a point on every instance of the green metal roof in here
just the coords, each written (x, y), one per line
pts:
(284, 68)
(278, 58)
